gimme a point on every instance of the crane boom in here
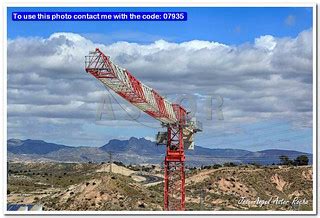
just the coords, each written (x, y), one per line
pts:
(127, 86)
(180, 129)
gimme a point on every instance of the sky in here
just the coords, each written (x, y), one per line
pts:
(253, 64)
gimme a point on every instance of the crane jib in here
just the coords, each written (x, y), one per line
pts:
(127, 86)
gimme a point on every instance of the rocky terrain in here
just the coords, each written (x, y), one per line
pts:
(90, 186)
(251, 188)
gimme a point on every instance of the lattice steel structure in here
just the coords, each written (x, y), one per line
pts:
(174, 117)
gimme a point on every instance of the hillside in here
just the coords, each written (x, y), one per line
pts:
(83, 186)
(105, 192)
(223, 188)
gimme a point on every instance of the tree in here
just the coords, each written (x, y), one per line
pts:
(301, 160)
(284, 160)
(256, 164)
(216, 166)
(229, 164)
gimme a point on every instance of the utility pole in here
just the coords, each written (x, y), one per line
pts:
(110, 161)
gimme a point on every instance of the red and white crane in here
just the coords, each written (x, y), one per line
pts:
(180, 128)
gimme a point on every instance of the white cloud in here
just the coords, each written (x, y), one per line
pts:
(270, 79)
(151, 138)
(266, 42)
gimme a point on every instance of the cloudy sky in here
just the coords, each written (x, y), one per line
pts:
(246, 73)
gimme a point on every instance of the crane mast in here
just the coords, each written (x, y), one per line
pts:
(180, 128)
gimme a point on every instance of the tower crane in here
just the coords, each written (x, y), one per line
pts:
(180, 128)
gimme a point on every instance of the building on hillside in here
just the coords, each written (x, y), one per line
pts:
(24, 207)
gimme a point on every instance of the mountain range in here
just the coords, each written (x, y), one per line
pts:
(134, 150)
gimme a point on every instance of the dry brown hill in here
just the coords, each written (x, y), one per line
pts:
(106, 192)
(74, 186)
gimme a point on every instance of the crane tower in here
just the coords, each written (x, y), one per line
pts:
(180, 127)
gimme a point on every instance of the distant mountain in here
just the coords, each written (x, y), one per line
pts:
(272, 155)
(218, 152)
(134, 145)
(136, 150)
(14, 142)
(17, 146)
